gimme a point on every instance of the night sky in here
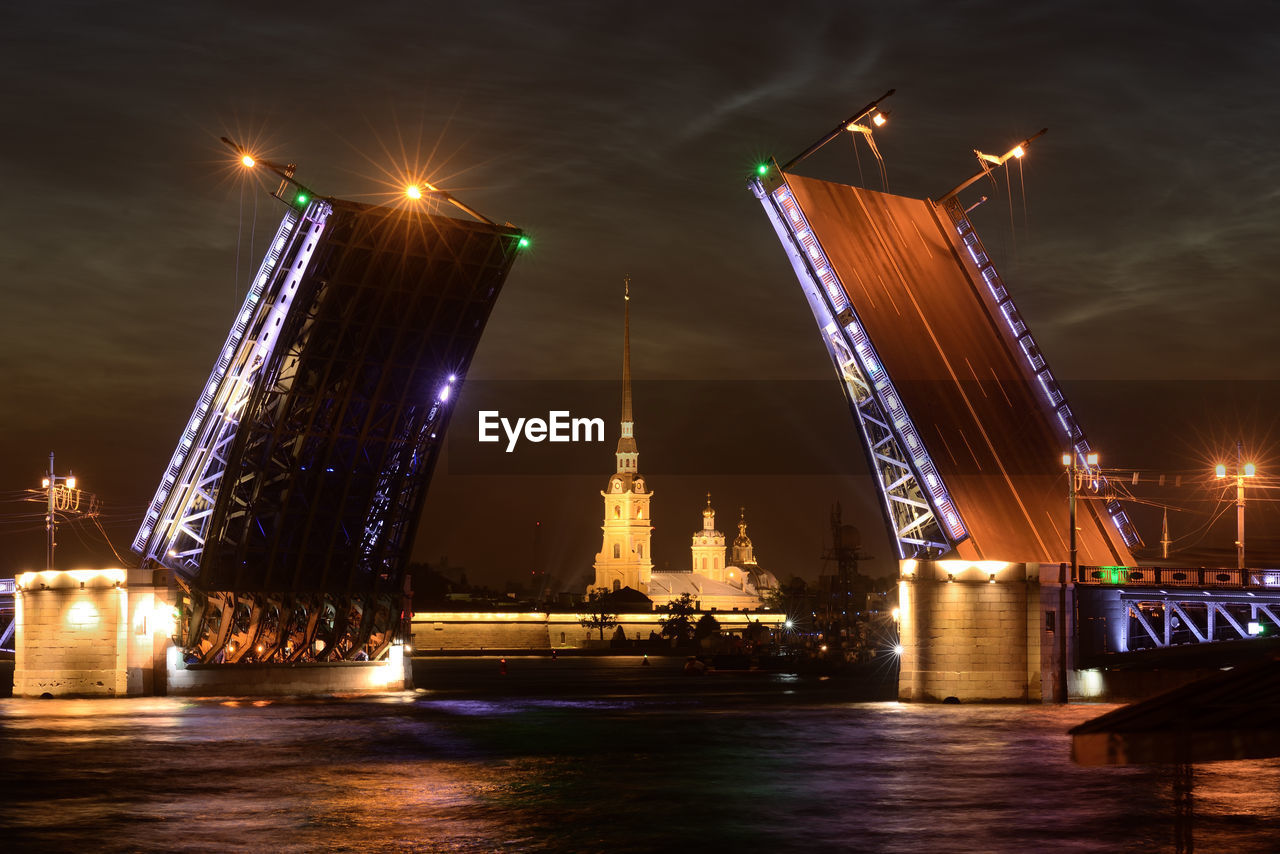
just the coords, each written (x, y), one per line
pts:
(1143, 252)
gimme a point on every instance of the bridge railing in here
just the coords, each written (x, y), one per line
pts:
(1170, 576)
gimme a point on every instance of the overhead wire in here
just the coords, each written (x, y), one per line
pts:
(107, 540)
(1022, 183)
(853, 140)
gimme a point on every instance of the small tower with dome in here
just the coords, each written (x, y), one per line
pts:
(708, 546)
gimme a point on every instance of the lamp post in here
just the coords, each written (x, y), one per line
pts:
(1071, 461)
(1242, 471)
(50, 484)
(1072, 464)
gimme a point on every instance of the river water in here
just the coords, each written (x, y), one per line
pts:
(598, 754)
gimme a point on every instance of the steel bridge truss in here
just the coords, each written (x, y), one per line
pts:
(922, 518)
(289, 508)
(1169, 620)
(225, 627)
(175, 527)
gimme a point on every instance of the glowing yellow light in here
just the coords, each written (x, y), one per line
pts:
(44, 484)
(1220, 470)
(1018, 152)
(116, 576)
(413, 191)
(878, 120)
(164, 617)
(1248, 469)
(71, 483)
(896, 613)
(248, 161)
(82, 615)
(1091, 459)
(1066, 459)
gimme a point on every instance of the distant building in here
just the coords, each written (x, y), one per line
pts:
(712, 581)
(744, 556)
(625, 558)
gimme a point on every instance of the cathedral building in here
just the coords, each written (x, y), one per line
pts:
(625, 558)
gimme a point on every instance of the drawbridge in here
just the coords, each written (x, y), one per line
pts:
(962, 420)
(287, 510)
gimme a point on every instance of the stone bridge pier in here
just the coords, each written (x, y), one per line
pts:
(984, 631)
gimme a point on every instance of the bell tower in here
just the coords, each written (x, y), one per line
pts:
(708, 546)
(624, 559)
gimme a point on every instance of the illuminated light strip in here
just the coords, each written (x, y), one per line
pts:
(202, 422)
(871, 365)
(287, 224)
(206, 473)
(1035, 359)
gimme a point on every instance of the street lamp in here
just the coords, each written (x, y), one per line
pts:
(1017, 152)
(50, 485)
(1242, 471)
(1072, 463)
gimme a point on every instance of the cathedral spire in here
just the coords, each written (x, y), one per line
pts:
(626, 351)
(628, 455)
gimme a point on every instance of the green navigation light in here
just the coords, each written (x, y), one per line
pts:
(523, 243)
(762, 169)
(301, 198)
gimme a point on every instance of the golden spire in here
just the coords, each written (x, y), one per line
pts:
(626, 351)
(628, 455)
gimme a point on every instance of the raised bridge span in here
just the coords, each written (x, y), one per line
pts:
(963, 424)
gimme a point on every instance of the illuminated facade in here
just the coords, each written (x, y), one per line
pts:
(89, 632)
(289, 506)
(625, 558)
(707, 548)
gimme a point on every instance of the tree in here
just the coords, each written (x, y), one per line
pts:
(678, 624)
(707, 627)
(598, 615)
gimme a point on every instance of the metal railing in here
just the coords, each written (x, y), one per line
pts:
(1177, 576)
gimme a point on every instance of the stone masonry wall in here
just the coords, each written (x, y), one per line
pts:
(968, 637)
(70, 641)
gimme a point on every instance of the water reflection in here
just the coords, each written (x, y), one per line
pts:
(599, 755)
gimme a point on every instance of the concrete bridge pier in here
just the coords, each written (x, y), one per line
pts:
(984, 631)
